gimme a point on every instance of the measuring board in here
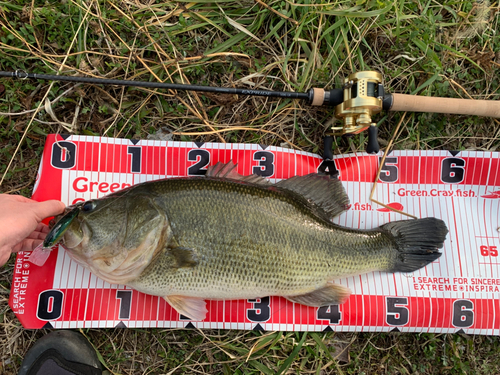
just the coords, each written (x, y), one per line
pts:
(459, 291)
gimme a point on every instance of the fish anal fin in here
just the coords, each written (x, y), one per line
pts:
(182, 257)
(330, 294)
(192, 307)
(228, 171)
(324, 191)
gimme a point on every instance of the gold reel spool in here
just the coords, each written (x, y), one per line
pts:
(363, 98)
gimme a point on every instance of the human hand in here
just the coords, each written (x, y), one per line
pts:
(21, 228)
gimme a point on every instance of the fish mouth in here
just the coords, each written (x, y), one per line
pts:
(60, 226)
(79, 234)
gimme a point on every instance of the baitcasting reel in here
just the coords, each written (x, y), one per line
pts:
(363, 96)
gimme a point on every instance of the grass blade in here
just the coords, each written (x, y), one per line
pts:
(262, 368)
(425, 84)
(355, 13)
(292, 356)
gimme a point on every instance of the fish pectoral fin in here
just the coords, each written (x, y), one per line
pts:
(192, 307)
(182, 257)
(331, 294)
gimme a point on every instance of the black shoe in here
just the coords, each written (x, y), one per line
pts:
(61, 353)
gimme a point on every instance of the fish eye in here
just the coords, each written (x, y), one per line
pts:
(88, 206)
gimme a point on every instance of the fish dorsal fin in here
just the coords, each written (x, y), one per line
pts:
(324, 191)
(228, 170)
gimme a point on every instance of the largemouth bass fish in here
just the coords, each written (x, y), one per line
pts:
(225, 236)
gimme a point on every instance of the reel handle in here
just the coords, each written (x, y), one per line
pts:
(414, 103)
(327, 149)
(372, 147)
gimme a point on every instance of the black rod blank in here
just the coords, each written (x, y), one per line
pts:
(157, 85)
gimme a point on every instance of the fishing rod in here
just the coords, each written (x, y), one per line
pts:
(361, 96)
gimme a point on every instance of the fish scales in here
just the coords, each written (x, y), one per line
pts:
(251, 241)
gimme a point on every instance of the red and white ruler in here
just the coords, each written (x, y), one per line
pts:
(460, 291)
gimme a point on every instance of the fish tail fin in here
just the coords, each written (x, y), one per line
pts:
(417, 242)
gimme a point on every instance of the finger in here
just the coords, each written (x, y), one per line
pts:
(48, 208)
(4, 257)
(37, 235)
(42, 228)
(20, 198)
(28, 244)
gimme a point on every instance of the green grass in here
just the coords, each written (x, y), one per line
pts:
(444, 48)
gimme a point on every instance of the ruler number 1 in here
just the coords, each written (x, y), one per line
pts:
(125, 297)
(136, 154)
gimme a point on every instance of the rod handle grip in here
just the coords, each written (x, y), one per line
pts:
(414, 103)
(331, 98)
